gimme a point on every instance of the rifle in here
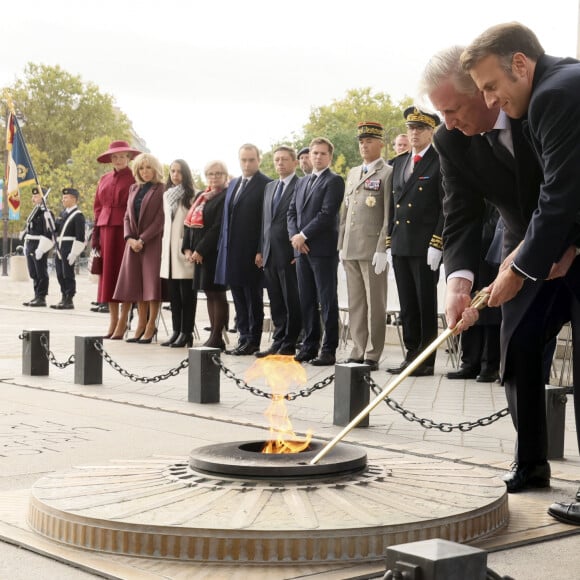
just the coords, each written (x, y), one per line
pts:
(49, 220)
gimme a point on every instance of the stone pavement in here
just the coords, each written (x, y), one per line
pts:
(50, 424)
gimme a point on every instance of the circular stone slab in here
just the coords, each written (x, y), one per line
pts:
(164, 508)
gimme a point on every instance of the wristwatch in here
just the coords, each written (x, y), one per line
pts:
(517, 271)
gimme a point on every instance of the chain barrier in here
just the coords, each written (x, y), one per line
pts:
(464, 426)
(50, 355)
(241, 384)
(138, 378)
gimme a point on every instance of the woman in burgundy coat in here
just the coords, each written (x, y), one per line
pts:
(109, 208)
(139, 279)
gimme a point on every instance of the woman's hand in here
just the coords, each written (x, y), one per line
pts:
(197, 258)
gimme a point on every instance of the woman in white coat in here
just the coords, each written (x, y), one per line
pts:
(174, 267)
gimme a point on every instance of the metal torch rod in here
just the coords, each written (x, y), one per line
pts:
(479, 302)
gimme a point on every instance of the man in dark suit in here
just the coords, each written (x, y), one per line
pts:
(313, 217)
(510, 67)
(276, 256)
(70, 232)
(237, 248)
(414, 238)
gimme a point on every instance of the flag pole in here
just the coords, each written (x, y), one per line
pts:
(5, 216)
(479, 302)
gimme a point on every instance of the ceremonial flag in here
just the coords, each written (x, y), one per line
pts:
(19, 170)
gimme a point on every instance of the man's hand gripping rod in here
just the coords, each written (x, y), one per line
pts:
(479, 302)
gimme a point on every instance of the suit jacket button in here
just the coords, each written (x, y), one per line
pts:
(420, 189)
(410, 205)
(398, 205)
(397, 222)
(408, 221)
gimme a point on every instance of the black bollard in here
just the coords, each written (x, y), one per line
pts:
(203, 385)
(34, 355)
(351, 393)
(88, 361)
(555, 420)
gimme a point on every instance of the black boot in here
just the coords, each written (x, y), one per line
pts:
(171, 339)
(65, 304)
(59, 305)
(182, 340)
(38, 301)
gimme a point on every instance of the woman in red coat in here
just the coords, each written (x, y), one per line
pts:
(109, 208)
(139, 279)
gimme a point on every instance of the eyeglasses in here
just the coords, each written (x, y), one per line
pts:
(215, 174)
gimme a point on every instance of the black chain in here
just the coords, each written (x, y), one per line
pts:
(241, 384)
(50, 355)
(430, 424)
(137, 378)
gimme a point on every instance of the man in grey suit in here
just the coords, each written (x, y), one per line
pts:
(362, 244)
(276, 256)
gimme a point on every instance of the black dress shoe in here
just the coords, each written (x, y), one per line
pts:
(287, 351)
(578, 495)
(268, 352)
(246, 349)
(325, 359)
(526, 475)
(569, 513)
(304, 356)
(462, 373)
(358, 361)
(236, 348)
(171, 339)
(37, 302)
(398, 370)
(423, 371)
(487, 377)
(371, 363)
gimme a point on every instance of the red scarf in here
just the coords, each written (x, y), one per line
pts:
(194, 217)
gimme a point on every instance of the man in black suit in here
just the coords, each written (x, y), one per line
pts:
(414, 238)
(276, 256)
(510, 67)
(313, 217)
(237, 248)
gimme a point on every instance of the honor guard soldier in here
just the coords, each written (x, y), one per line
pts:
(362, 244)
(415, 237)
(37, 243)
(70, 230)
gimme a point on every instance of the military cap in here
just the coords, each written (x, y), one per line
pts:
(36, 190)
(303, 151)
(70, 191)
(414, 116)
(370, 129)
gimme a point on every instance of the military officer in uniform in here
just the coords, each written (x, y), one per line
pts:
(37, 243)
(415, 237)
(362, 245)
(70, 230)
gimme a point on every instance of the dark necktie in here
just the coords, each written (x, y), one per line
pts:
(240, 189)
(499, 149)
(277, 196)
(310, 183)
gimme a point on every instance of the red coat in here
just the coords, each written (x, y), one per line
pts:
(139, 279)
(109, 208)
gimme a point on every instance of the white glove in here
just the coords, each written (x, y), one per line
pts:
(434, 258)
(380, 261)
(75, 252)
(44, 245)
(340, 255)
(389, 258)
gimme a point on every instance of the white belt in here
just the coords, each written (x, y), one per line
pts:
(32, 237)
(67, 239)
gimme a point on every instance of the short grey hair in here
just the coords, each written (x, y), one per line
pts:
(446, 65)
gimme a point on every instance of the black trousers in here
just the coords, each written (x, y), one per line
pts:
(249, 305)
(37, 269)
(183, 300)
(65, 273)
(282, 286)
(318, 284)
(417, 288)
(555, 304)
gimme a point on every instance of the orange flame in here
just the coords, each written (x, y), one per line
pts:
(279, 372)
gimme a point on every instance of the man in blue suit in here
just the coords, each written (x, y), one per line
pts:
(510, 67)
(237, 248)
(313, 218)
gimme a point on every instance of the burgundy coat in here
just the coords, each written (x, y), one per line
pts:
(139, 279)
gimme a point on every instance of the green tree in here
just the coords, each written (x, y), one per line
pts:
(61, 111)
(338, 122)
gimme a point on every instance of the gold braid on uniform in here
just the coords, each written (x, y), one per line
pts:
(436, 242)
(387, 242)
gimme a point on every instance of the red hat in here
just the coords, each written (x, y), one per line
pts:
(117, 147)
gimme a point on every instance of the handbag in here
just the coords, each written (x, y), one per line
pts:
(95, 262)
